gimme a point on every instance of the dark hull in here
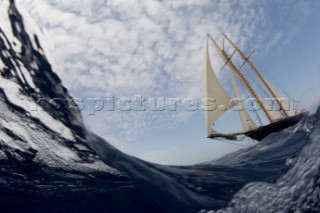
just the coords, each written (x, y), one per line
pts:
(264, 131)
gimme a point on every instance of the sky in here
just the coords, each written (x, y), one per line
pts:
(141, 50)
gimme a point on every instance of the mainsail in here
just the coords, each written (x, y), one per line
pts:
(217, 101)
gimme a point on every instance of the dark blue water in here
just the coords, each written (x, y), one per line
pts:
(46, 170)
(236, 180)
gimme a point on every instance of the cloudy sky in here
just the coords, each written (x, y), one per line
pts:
(115, 49)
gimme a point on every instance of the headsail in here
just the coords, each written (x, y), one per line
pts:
(214, 94)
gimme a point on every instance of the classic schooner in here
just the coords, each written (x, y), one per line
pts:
(271, 117)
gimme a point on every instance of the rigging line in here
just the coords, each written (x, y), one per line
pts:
(228, 60)
(246, 59)
(282, 89)
(276, 82)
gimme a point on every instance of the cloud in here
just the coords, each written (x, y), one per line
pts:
(153, 48)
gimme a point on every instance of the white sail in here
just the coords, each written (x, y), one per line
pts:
(246, 121)
(216, 99)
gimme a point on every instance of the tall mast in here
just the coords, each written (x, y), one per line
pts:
(244, 80)
(258, 74)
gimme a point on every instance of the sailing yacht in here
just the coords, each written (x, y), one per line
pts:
(270, 118)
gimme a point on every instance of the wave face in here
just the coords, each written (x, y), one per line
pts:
(50, 162)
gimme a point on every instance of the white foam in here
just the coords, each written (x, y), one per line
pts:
(12, 91)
